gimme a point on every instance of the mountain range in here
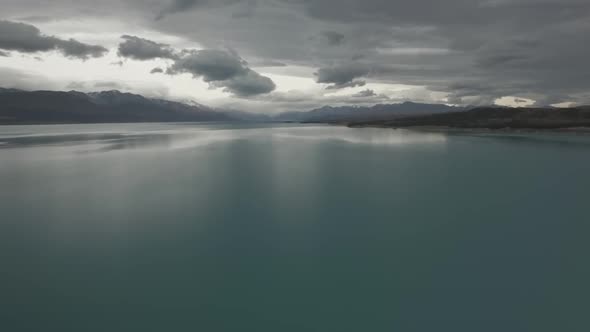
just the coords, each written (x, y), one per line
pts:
(48, 107)
(20, 107)
(329, 114)
(493, 118)
(36, 107)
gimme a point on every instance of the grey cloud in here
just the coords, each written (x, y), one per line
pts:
(551, 99)
(533, 49)
(97, 85)
(2, 53)
(223, 69)
(296, 100)
(177, 6)
(439, 12)
(75, 49)
(332, 38)
(27, 38)
(542, 56)
(212, 65)
(501, 60)
(109, 85)
(268, 63)
(365, 93)
(76, 85)
(11, 78)
(37, 19)
(246, 9)
(351, 84)
(24, 38)
(470, 92)
(343, 75)
(247, 84)
(143, 49)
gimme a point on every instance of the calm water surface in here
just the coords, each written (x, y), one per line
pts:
(217, 227)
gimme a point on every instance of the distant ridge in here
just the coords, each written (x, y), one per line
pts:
(52, 107)
(38, 107)
(366, 113)
(494, 118)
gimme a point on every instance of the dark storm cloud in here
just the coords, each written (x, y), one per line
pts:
(75, 49)
(212, 65)
(246, 84)
(157, 70)
(332, 38)
(222, 69)
(342, 76)
(529, 48)
(429, 12)
(27, 38)
(501, 60)
(143, 49)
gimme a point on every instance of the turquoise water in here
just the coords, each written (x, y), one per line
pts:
(192, 227)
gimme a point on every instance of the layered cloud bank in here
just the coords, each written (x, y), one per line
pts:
(260, 53)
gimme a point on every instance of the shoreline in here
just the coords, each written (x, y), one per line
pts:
(458, 130)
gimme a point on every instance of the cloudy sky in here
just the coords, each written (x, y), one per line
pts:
(279, 55)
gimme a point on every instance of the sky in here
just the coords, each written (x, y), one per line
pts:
(287, 55)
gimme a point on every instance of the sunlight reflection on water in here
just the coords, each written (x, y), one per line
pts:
(188, 137)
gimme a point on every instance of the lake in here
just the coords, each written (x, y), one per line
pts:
(227, 227)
